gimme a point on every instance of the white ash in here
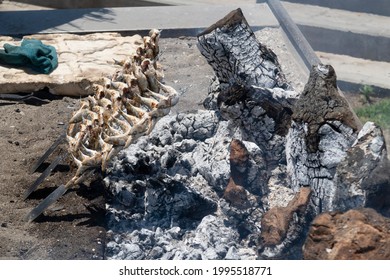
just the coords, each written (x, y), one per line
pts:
(173, 180)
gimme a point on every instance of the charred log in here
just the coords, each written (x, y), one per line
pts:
(237, 57)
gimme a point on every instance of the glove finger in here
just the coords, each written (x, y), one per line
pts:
(10, 48)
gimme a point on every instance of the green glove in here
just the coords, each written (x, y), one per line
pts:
(31, 53)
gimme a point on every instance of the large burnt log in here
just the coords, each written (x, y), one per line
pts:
(251, 90)
(237, 57)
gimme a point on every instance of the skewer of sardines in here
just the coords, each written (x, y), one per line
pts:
(123, 108)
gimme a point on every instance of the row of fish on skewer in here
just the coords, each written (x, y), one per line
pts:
(123, 108)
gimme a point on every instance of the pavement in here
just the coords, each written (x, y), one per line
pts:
(354, 42)
(17, 6)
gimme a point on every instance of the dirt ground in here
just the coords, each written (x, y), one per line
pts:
(74, 227)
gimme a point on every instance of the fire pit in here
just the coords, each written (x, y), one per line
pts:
(247, 159)
(244, 178)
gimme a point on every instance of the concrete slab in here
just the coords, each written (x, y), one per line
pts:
(355, 44)
(82, 4)
(347, 43)
(77, 4)
(16, 6)
(204, 2)
(358, 71)
(83, 60)
(133, 19)
(341, 20)
(379, 7)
